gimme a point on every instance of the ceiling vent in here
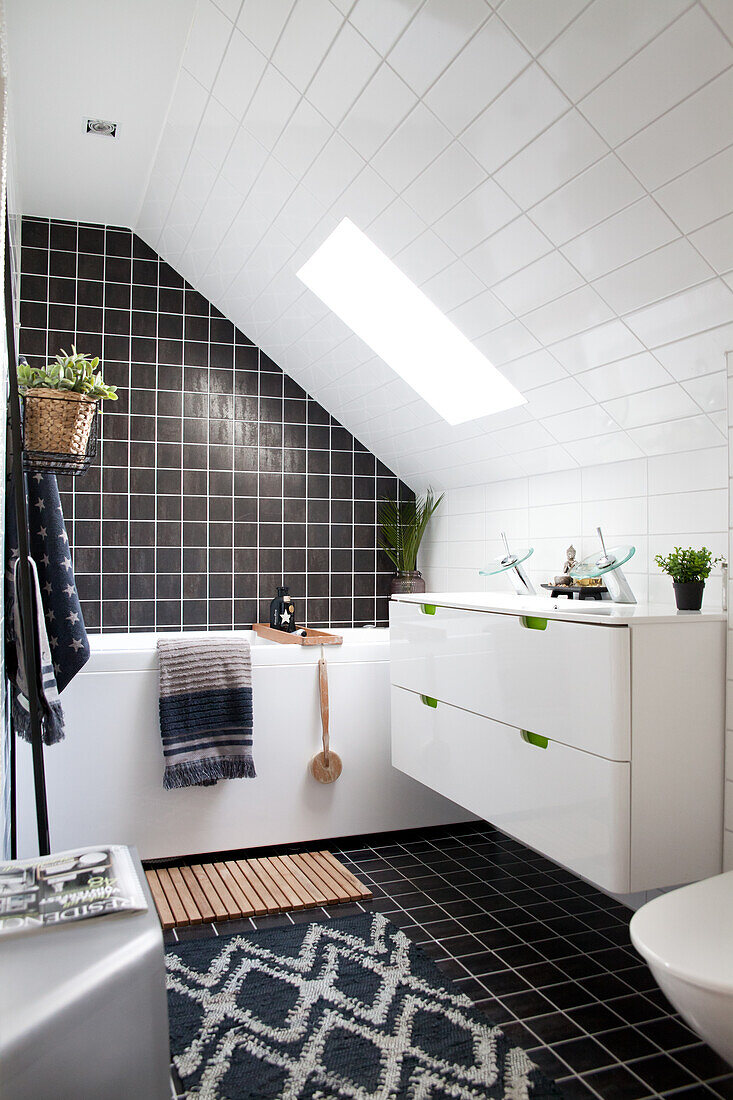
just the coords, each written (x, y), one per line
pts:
(102, 127)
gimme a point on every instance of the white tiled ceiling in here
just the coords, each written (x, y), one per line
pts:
(556, 174)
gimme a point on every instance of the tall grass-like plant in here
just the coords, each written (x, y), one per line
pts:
(403, 526)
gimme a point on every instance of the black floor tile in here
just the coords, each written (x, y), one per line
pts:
(635, 1008)
(594, 1018)
(605, 986)
(583, 1054)
(616, 1083)
(463, 945)
(518, 1035)
(541, 974)
(526, 1004)
(452, 968)
(580, 966)
(543, 954)
(668, 1034)
(305, 916)
(567, 995)
(495, 1011)
(196, 932)
(229, 927)
(277, 920)
(555, 1027)
(348, 909)
(519, 955)
(546, 1060)
(702, 1062)
(574, 1088)
(694, 1092)
(504, 982)
(627, 1043)
(484, 963)
(661, 1072)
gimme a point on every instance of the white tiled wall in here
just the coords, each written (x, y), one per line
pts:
(653, 503)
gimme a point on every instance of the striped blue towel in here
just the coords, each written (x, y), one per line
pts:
(205, 710)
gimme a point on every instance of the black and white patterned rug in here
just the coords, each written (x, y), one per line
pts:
(340, 1008)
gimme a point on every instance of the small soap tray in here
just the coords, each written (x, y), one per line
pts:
(312, 637)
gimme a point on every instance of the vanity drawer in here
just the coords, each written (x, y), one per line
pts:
(569, 681)
(571, 806)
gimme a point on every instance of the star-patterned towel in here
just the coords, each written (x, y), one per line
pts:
(49, 548)
(52, 716)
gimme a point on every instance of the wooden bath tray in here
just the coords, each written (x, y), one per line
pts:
(201, 893)
(312, 637)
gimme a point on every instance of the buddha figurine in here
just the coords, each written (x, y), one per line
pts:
(570, 563)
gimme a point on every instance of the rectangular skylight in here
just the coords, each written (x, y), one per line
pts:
(398, 322)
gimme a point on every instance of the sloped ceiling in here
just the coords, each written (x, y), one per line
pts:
(556, 176)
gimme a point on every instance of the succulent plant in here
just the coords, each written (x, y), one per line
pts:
(76, 372)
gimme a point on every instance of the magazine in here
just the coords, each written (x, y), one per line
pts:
(48, 891)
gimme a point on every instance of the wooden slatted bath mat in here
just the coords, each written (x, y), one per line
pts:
(205, 892)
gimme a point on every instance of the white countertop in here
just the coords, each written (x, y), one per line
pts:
(584, 611)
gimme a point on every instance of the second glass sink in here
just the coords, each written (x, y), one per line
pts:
(598, 564)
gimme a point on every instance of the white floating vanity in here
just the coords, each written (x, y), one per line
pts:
(593, 732)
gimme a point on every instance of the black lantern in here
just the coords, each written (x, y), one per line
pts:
(282, 612)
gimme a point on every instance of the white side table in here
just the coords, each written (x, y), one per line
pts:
(83, 1010)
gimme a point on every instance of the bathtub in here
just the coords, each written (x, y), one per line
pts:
(104, 782)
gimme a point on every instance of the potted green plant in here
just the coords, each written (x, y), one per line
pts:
(403, 524)
(689, 569)
(59, 401)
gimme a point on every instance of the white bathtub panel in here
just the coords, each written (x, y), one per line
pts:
(105, 780)
(138, 652)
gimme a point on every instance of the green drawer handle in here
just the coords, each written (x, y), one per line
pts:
(535, 739)
(429, 701)
(427, 608)
(533, 622)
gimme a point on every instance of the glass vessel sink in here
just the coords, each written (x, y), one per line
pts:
(607, 563)
(509, 561)
(598, 564)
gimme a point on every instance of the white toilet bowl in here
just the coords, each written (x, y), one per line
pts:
(686, 937)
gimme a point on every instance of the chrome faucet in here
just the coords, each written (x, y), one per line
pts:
(522, 584)
(618, 587)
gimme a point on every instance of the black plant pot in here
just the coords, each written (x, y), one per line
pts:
(406, 584)
(688, 594)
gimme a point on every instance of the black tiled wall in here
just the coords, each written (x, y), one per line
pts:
(217, 476)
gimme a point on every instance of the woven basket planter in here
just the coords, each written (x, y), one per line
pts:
(57, 421)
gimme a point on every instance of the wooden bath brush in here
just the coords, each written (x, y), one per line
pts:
(325, 766)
